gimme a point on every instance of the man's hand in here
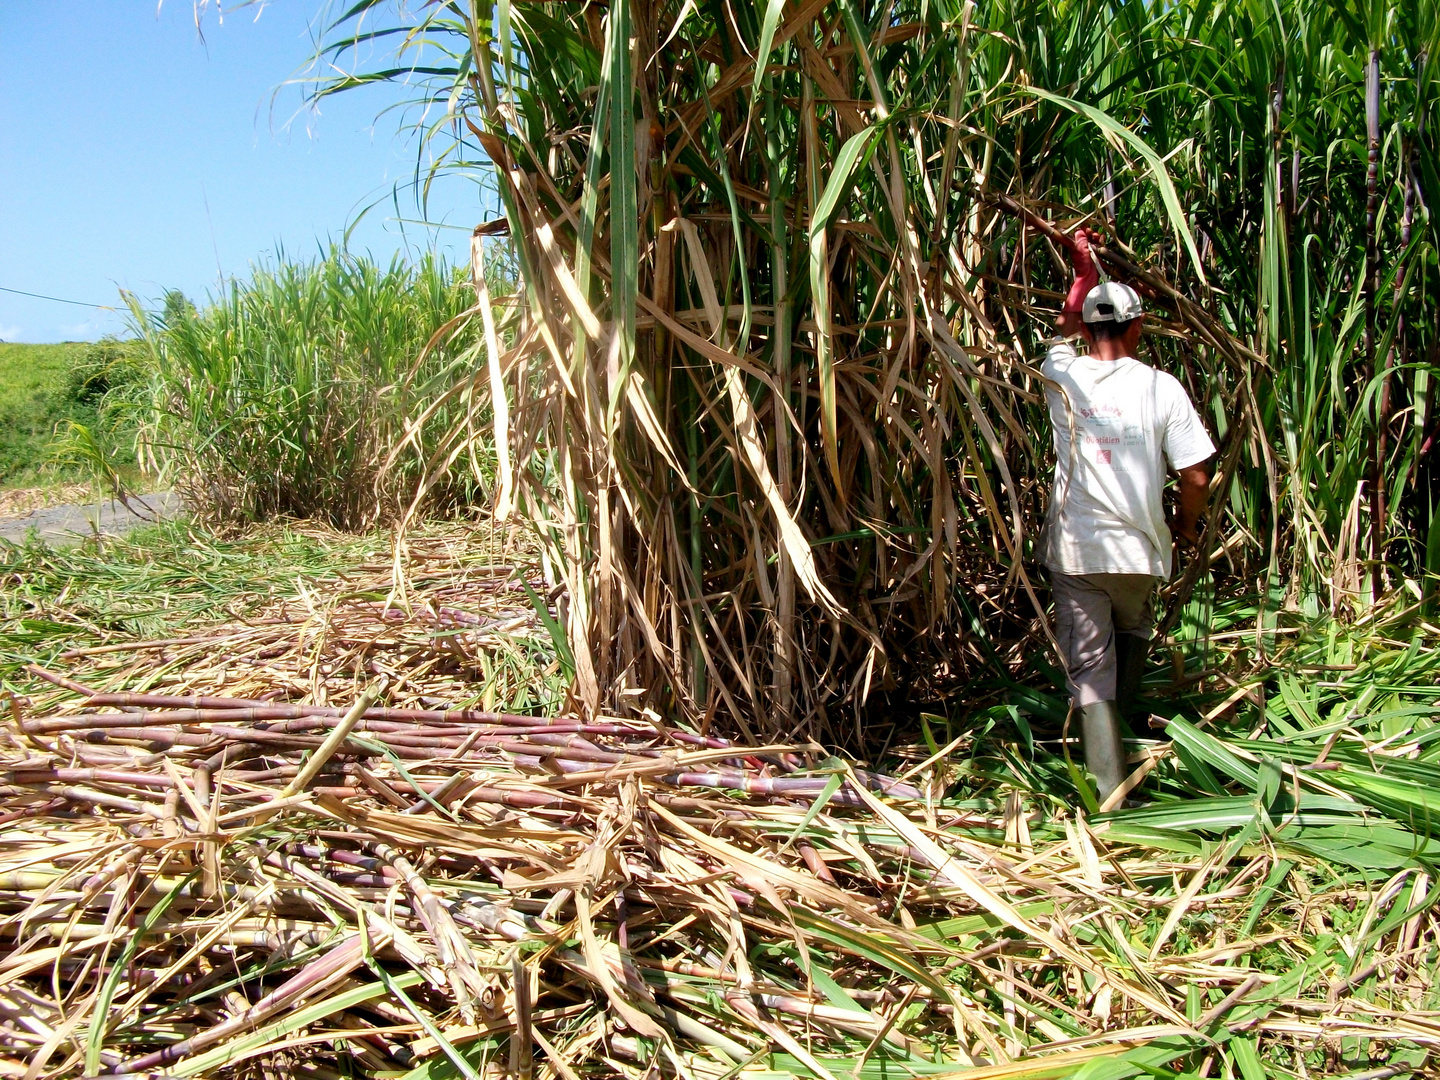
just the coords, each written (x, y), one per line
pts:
(1087, 276)
(1082, 261)
(1186, 535)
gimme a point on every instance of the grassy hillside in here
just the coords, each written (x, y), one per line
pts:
(41, 388)
(32, 403)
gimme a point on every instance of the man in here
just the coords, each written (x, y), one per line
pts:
(1117, 423)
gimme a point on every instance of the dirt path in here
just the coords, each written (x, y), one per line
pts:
(69, 524)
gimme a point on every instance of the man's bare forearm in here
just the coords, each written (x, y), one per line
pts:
(1194, 494)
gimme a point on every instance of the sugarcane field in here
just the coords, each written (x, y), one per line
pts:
(849, 539)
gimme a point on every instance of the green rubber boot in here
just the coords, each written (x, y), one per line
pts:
(1104, 746)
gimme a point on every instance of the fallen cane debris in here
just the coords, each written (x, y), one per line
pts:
(186, 889)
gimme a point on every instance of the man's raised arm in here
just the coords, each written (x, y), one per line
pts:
(1087, 276)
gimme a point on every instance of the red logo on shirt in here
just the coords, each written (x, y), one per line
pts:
(1102, 456)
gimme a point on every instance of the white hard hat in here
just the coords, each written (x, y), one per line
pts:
(1111, 301)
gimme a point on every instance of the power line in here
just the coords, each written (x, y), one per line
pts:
(58, 300)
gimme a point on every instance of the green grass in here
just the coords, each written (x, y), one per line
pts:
(51, 393)
(175, 580)
(158, 581)
(34, 402)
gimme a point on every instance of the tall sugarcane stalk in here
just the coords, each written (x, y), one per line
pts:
(1371, 286)
(783, 424)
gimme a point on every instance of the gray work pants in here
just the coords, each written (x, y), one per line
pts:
(1090, 609)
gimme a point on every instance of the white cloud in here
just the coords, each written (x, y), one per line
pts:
(80, 331)
(9, 333)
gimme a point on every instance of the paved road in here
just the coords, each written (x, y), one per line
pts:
(69, 524)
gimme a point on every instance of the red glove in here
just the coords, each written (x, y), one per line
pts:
(1087, 274)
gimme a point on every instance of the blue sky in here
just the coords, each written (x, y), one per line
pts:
(119, 125)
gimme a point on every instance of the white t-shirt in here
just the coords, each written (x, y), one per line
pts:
(1116, 426)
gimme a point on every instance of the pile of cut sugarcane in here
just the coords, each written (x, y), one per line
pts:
(191, 883)
(333, 841)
